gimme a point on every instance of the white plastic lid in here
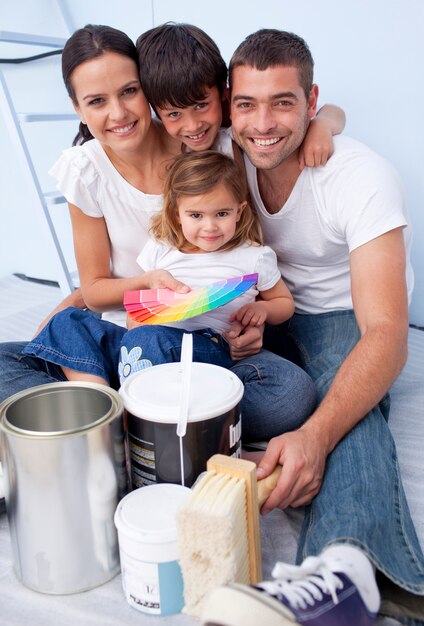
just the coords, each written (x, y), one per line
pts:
(148, 514)
(154, 393)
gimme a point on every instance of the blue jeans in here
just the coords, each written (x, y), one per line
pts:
(20, 371)
(361, 500)
(278, 395)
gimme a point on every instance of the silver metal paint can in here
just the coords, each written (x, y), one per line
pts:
(63, 452)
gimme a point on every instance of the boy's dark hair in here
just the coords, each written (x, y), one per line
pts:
(177, 62)
(88, 43)
(270, 47)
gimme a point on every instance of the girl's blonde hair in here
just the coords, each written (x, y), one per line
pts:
(196, 173)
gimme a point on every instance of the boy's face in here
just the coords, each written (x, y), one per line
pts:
(197, 125)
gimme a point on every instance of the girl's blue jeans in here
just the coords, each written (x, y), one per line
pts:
(278, 395)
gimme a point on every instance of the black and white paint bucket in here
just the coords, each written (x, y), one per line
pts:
(152, 401)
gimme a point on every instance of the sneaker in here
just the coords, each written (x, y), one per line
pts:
(308, 594)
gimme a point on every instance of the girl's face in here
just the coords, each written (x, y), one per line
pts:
(209, 221)
(110, 101)
(197, 125)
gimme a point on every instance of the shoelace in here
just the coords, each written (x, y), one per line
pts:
(302, 584)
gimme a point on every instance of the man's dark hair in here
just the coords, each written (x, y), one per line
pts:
(271, 47)
(177, 63)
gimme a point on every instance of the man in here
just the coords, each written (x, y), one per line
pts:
(338, 232)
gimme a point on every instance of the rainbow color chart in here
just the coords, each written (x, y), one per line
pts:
(162, 306)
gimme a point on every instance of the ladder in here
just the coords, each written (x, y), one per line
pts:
(16, 122)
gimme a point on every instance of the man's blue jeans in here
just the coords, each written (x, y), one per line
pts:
(278, 395)
(361, 500)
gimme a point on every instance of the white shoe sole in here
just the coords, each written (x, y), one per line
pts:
(239, 605)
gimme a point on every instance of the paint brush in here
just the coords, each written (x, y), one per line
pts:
(218, 528)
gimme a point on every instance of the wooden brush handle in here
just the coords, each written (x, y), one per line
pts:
(267, 485)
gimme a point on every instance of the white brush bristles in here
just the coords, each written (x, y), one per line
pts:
(212, 536)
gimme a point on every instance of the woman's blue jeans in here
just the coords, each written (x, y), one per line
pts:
(278, 395)
(361, 500)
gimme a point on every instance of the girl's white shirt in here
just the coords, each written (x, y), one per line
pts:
(202, 270)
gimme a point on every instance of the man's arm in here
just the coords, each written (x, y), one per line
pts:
(380, 305)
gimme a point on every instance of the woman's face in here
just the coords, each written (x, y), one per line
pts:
(111, 102)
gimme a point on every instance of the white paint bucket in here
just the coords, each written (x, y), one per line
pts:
(152, 401)
(147, 535)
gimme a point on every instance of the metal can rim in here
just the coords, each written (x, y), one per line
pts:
(116, 408)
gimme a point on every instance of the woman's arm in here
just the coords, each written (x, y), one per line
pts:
(318, 146)
(100, 290)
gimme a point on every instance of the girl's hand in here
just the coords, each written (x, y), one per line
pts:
(253, 314)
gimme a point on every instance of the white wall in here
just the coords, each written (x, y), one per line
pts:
(368, 59)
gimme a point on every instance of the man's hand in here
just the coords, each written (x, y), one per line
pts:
(302, 457)
(243, 341)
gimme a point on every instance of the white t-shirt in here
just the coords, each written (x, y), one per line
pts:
(356, 197)
(200, 270)
(224, 142)
(87, 178)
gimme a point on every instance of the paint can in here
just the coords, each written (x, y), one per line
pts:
(152, 402)
(63, 454)
(148, 546)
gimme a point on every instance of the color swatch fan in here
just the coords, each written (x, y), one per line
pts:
(162, 306)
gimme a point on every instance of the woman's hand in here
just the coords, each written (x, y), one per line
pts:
(161, 279)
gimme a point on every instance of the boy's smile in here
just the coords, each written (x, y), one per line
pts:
(195, 125)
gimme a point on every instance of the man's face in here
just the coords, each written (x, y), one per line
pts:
(270, 113)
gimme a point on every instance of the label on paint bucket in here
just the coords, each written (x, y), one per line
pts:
(151, 398)
(147, 533)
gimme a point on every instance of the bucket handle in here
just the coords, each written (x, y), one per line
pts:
(186, 362)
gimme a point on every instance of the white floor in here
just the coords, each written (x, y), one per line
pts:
(23, 305)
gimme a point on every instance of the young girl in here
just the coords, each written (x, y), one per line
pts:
(206, 232)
